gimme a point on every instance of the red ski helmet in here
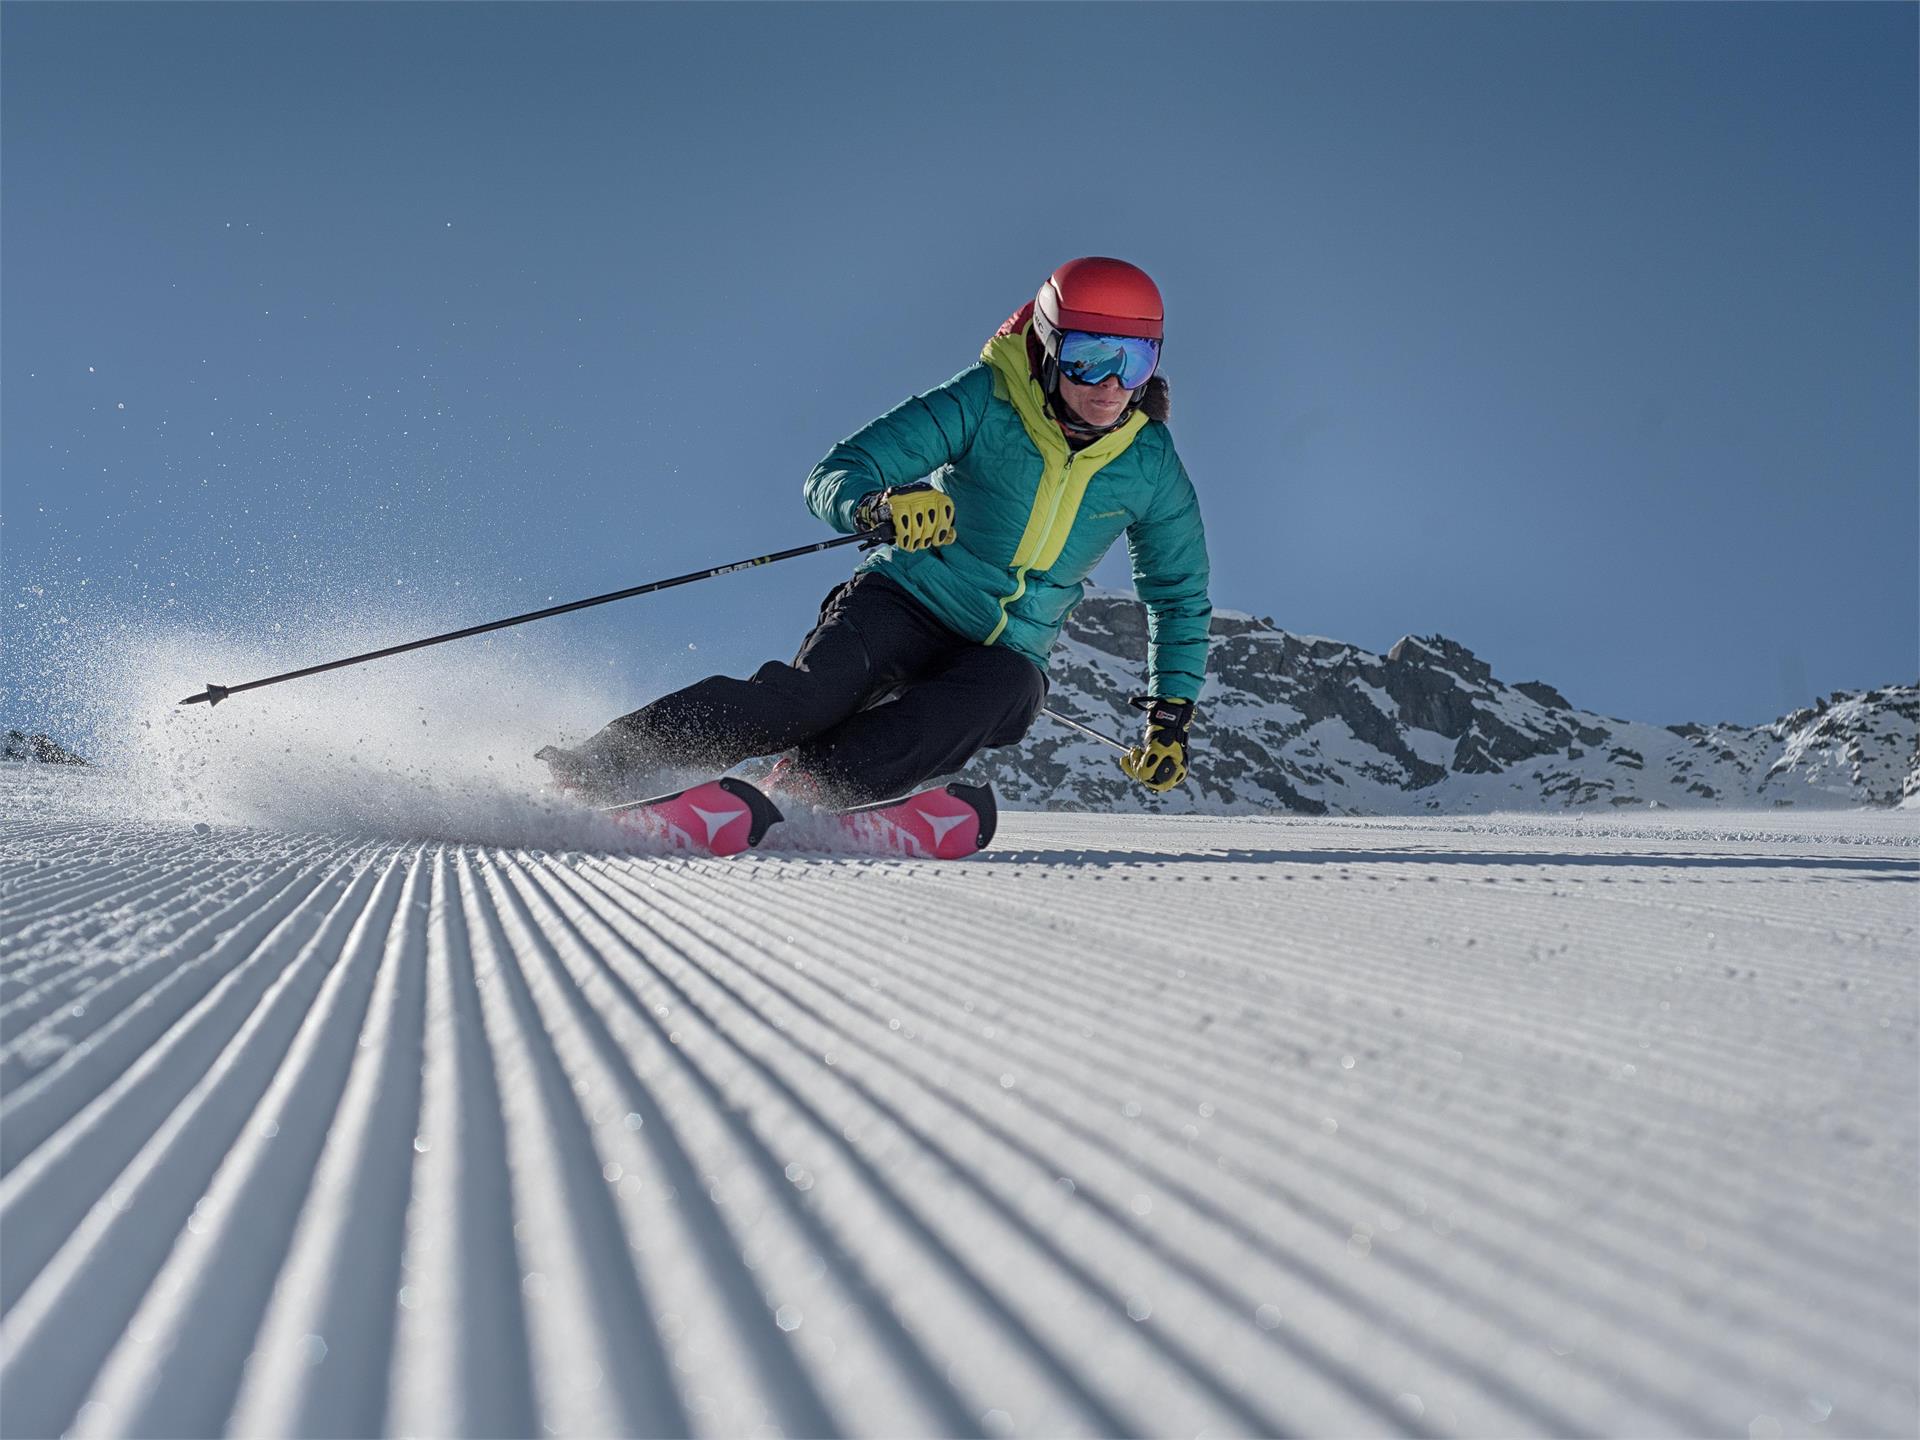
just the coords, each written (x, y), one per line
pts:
(1104, 296)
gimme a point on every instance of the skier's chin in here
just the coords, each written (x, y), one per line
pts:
(1099, 416)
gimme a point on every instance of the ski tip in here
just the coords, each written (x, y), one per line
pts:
(765, 813)
(981, 799)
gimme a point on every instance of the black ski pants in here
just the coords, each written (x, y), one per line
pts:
(881, 697)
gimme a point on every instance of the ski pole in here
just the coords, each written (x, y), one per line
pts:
(1054, 714)
(214, 694)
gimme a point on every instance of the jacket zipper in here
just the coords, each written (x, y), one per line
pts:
(1020, 575)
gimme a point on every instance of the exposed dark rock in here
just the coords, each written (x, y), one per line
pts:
(1112, 624)
(1544, 693)
(1429, 697)
(21, 746)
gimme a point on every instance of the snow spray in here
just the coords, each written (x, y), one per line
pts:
(435, 746)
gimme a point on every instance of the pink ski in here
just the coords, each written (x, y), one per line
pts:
(720, 817)
(946, 822)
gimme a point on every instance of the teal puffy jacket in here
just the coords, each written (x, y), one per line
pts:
(1033, 516)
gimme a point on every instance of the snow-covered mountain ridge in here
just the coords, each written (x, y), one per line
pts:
(1315, 726)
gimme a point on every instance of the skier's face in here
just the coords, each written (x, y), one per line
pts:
(1098, 405)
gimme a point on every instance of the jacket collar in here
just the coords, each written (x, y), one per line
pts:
(1006, 355)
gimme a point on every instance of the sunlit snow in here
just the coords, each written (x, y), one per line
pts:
(316, 1122)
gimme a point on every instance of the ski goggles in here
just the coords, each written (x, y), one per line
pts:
(1087, 359)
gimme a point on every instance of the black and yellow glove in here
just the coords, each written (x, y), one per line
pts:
(908, 517)
(1159, 761)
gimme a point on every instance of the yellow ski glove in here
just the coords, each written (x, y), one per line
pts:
(1159, 761)
(908, 517)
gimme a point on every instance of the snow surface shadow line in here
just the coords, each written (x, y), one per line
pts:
(494, 1359)
(1298, 1265)
(270, 1199)
(127, 1011)
(808, 1412)
(356, 1309)
(1337, 1373)
(55, 1363)
(1178, 1355)
(1610, 1254)
(934, 1386)
(648, 1392)
(1898, 871)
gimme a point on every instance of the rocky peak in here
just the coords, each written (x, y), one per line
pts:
(1311, 725)
(1439, 653)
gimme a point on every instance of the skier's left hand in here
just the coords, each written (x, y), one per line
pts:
(1159, 761)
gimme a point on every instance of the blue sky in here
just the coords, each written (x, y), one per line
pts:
(1584, 335)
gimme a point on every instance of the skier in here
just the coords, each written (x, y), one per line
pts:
(994, 496)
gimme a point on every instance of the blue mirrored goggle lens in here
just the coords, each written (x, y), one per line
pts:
(1088, 359)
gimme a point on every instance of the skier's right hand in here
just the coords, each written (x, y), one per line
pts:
(908, 517)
